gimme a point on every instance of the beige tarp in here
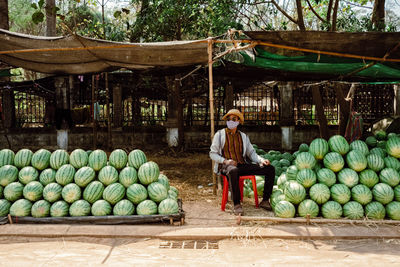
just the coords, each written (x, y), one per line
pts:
(79, 55)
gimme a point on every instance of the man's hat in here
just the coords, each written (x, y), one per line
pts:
(235, 112)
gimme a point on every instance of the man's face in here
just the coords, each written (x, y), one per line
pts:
(233, 118)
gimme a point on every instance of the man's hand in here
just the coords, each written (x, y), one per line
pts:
(230, 162)
(265, 163)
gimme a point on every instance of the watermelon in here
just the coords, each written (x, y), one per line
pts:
(294, 192)
(389, 176)
(391, 135)
(118, 159)
(369, 178)
(52, 192)
(4, 207)
(79, 208)
(124, 208)
(375, 162)
(88, 152)
(163, 179)
(136, 193)
(148, 173)
(136, 158)
(360, 146)
(78, 158)
(333, 161)
(291, 172)
(276, 199)
(353, 210)
(1, 192)
(8, 174)
(326, 176)
(332, 210)
(306, 177)
(101, 208)
(375, 210)
(84, 176)
(393, 210)
(319, 148)
(393, 147)
(320, 193)
(356, 160)
(173, 195)
(284, 162)
(6, 157)
(391, 162)
(23, 158)
(282, 179)
(168, 206)
(71, 193)
(33, 191)
(303, 148)
(114, 193)
(371, 141)
(308, 207)
(383, 193)
(378, 151)
(58, 158)
(65, 174)
(97, 159)
(338, 143)
(47, 176)
(284, 209)
(40, 209)
(380, 135)
(348, 177)
(362, 194)
(305, 160)
(340, 193)
(21, 207)
(128, 176)
(41, 159)
(28, 174)
(147, 207)
(397, 193)
(13, 191)
(93, 192)
(108, 175)
(157, 192)
(173, 188)
(59, 209)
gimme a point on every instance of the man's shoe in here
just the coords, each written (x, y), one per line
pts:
(238, 210)
(265, 205)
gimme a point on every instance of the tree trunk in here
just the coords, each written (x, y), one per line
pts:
(4, 14)
(300, 18)
(50, 18)
(334, 16)
(378, 15)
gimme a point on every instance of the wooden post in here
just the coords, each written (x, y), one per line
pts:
(286, 115)
(344, 108)
(228, 97)
(117, 106)
(323, 124)
(396, 100)
(211, 96)
(179, 108)
(94, 114)
(8, 108)
(109, 142)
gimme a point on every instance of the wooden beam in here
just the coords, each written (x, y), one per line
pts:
(211, 98)
(323, 124)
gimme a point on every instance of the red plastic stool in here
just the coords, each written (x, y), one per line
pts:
(241, 182)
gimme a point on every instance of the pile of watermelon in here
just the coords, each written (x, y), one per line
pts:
(335, 179)
(83, 183)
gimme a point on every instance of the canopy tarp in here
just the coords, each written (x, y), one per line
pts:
(75, 54)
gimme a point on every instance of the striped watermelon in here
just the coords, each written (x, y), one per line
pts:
(28, 174)
(362, 194)
(59, 209)
(319, 148)
(52, 192)
(375, 162)
(21, 207)
(118, 159)
(6, 157)
(390, 135)
(353, 210)
(40, 209)
(371, 141)
(157, 192)
(84, 176)
(173, 188)
(128, 176)
(320, 193)
(163, 179)
(326, 176)
(393, 147)
(397, 193)
(356, 160)
(381, 144)
(381, 135)
(303, 147)
(393, 210)
(276, 199)
(47, 176)
(8, 174)
(136, 158)
(173, 195)
(338, 143)
(97, 159)
(306, 177)
(148, 172)
(340, 193)
(136, 193)
(334, 161)
(33, 191)
(360, 146)
(378, 151)
(391, 162)
(291, 172)
(1, 192)
(23, 158)
(147, 207)
(389, 176)
(285, 209)
(348, 177)
(124, 208)
(108, 175)
(317, 167)
(41, 159)
(79, 208)
(375, 211)
(305, 160)
(13, 191)
(114, 193)
(294, 192)
(65, 174)
(383, 193)
(308, 207)
(58, 158)
(4, 207)
(332, 210)
(78, 158)
(93, 192)
(168, 206)
(71, 193)
(368, 178)
(101, 208)
(282, 179)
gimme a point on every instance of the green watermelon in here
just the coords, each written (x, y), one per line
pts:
(71, 193)
(378, 151)
(13, 191)
(148, 173)
(65, 174)
(157, 192)
(136, 158)
(326, 176)
(375, 162)
(348, 177)
(173, 188)
(80, 208)
(128, 176)
(40, 209)
(78, 158)
(356, 160)
(276, 199)
(4, 207)
(136, 193)
(393, 210)
(97, 159)
(371, 141)
(353, 210)
(393, 147)
(389, 176)
(375, 210)
(147, 207)
(93, 192)
(108, 175)
(124, 208)
(391, 162)
(303, 148)
(114, 193)
(305, 160)
(8, 174)
(163, 179)
(332, 210)
(118, 159)
(333, 161)
(308, 207)
(291, 172)
(294, 192)
(41, 159)
(284, 209)
(362, 194)
(52, 192)
(340, 193)
(59, 209)
(173, 195)
(397, 193)
(47, 176)
(360, 146)
(84, 176)
(306, 177)
(319, 148)
(381, 135)
(168, 206)
(338, 143)
(383, 193)
(369, 178)
(28, 174)
(101, 208)
(58, 158)
(33, 191)
(21, 207)
(320, 193)
(23, 158)
(6, 157)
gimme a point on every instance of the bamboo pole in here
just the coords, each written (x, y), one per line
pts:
(211, 96)
(94, 114)
(108, 112)
(309, 221)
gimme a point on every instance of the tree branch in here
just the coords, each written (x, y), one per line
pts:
(300, 18)
(334, 17)
(328, 13)
(315, 13)
(284, 12)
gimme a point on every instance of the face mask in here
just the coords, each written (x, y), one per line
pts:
(232, 124)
